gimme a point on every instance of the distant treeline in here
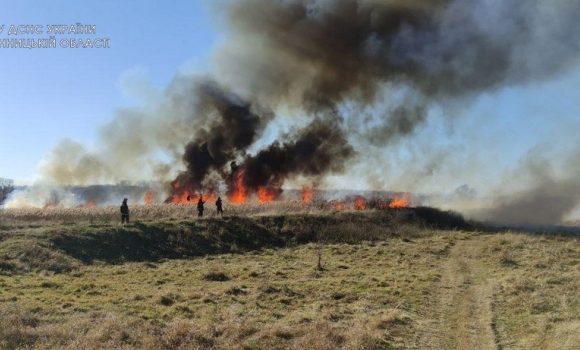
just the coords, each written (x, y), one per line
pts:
(95, 194)
(6, 187)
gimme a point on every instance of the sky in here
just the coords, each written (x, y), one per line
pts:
(49, 94)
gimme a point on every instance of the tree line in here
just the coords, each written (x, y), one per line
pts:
(6, 187)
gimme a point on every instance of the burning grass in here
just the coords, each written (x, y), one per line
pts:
(182, 205)
(140, 212)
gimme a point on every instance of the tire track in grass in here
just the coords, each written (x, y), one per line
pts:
(460, 314)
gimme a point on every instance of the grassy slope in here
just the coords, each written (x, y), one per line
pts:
(349, 280)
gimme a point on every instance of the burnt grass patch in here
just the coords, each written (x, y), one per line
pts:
(440, 219)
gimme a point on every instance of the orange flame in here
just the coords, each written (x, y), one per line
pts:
(182, 197)
(265, 195)
(339, 206)
(400, 202)
(306, 194)
(360, 203)
(185, 196)
(48, 205)
(209, 197)
(149, 197)
(240, 192)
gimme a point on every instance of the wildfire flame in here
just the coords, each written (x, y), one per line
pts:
(360, 203)
(183, 196)
(240, 192)
(400, 202)
(339, 206)
(149, 197)
(207, 197)
(265, 195)
(180, 197)
(306, 194)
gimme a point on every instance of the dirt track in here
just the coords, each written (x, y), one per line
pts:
(461, 312)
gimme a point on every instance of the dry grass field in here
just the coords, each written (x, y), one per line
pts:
(285, 277)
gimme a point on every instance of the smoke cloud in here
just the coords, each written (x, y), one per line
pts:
(312, 64)
(551, 194)
(318, 149)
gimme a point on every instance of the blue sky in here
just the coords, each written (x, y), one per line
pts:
(50, 94)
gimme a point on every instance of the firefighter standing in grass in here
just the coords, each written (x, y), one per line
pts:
(124, 212)
(218, 205)
(200, 207)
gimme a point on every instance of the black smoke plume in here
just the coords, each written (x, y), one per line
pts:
(232, 127)
(305, 62)
(318, 149)
(316, 55)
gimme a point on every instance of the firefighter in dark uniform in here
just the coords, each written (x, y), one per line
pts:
(200, 208)
(124, 212)
(218, 205)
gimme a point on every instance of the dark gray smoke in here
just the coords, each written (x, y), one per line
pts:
(232, 127)
(313, 62)
(318, 149)
(551, 195)
(312, 52)
(320, 54)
